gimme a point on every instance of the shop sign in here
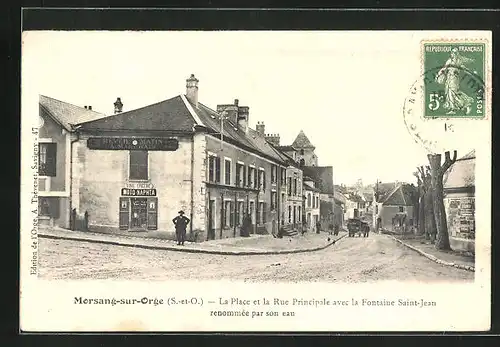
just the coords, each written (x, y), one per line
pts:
(131, 143)
(138, 192)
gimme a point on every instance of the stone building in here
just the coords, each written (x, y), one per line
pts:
(56, 137)
(137, 169)
(305, 150)
(459, 201)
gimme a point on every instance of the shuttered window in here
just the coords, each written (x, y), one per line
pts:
(227, 172)
(47, 159)
(138, 165)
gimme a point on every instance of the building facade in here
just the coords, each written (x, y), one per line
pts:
(395, 211)
(311, 204)
(137, 169)
(55, 140)
(459, 201)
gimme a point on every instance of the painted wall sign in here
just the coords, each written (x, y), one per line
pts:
(138, 192)
(139, 185)
(130, 143)
(461, 220)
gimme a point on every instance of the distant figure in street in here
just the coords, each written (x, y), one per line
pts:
(336, 230)
(318, 227)
(330, 228)
(180, 223)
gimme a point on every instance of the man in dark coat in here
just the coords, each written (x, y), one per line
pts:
(180, 223)
(318, 227)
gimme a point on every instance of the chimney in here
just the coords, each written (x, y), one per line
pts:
(243, 118)
(118, 105)
(260, 128)
(274, 139)
(90, 107)
(85, 107)
(192, 90)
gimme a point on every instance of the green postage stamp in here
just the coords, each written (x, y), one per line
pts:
(454, 79)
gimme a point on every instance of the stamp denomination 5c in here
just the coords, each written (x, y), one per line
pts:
(454, 87)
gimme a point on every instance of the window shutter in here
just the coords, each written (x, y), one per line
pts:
(238, 168)
(244, 176)
(255, 178)
(249, 176)
(124, 213)
(152, 213)
(217, 169)
(263, 180)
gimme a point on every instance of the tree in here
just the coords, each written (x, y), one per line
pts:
(428, 212)
(437, 173)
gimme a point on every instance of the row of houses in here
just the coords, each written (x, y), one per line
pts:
(393, 205)
(134, 170)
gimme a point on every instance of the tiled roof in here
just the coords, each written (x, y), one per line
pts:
(308, 187)
(252, 139)
(402, 195)
(67, 114)
(174, 115)
(168, 115)
(287, 148)
(339, 197)
(301, 141)
(462, 173)
(384, 189)
(323, 175)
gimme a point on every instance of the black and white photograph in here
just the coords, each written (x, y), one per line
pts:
(314, 161)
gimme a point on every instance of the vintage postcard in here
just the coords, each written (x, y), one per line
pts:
(255, 181)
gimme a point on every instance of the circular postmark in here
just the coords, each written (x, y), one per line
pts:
(441, 104)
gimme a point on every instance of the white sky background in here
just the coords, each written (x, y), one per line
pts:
(344, 89)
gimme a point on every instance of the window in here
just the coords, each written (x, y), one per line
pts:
(138, 165)
(228, 214)
(317, 202)
(401, 208)
(262, 180)
(254, 180)
(295, 187)
(240, 175)
(309, 200)
(302, 162)
(214, 169)
(47, 153)
(289, 186)
(43, 207)
(274, 197)
(227, 172)
(289, 214)
(298, 214)
(283, 177)
(274, 177)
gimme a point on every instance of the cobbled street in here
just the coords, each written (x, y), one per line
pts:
(349, 260)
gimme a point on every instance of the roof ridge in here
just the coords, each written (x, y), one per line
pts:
(69, 103)
(392, 193)
(133, 110)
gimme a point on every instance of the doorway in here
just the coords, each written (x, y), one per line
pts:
(139, 213)
(211, 220)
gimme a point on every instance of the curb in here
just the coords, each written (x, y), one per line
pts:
(433, 258)
(187, 250)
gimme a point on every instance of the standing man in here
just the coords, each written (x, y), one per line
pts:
(318, 227)
(180, 223)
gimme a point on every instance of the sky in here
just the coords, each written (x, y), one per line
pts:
(345, 90)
